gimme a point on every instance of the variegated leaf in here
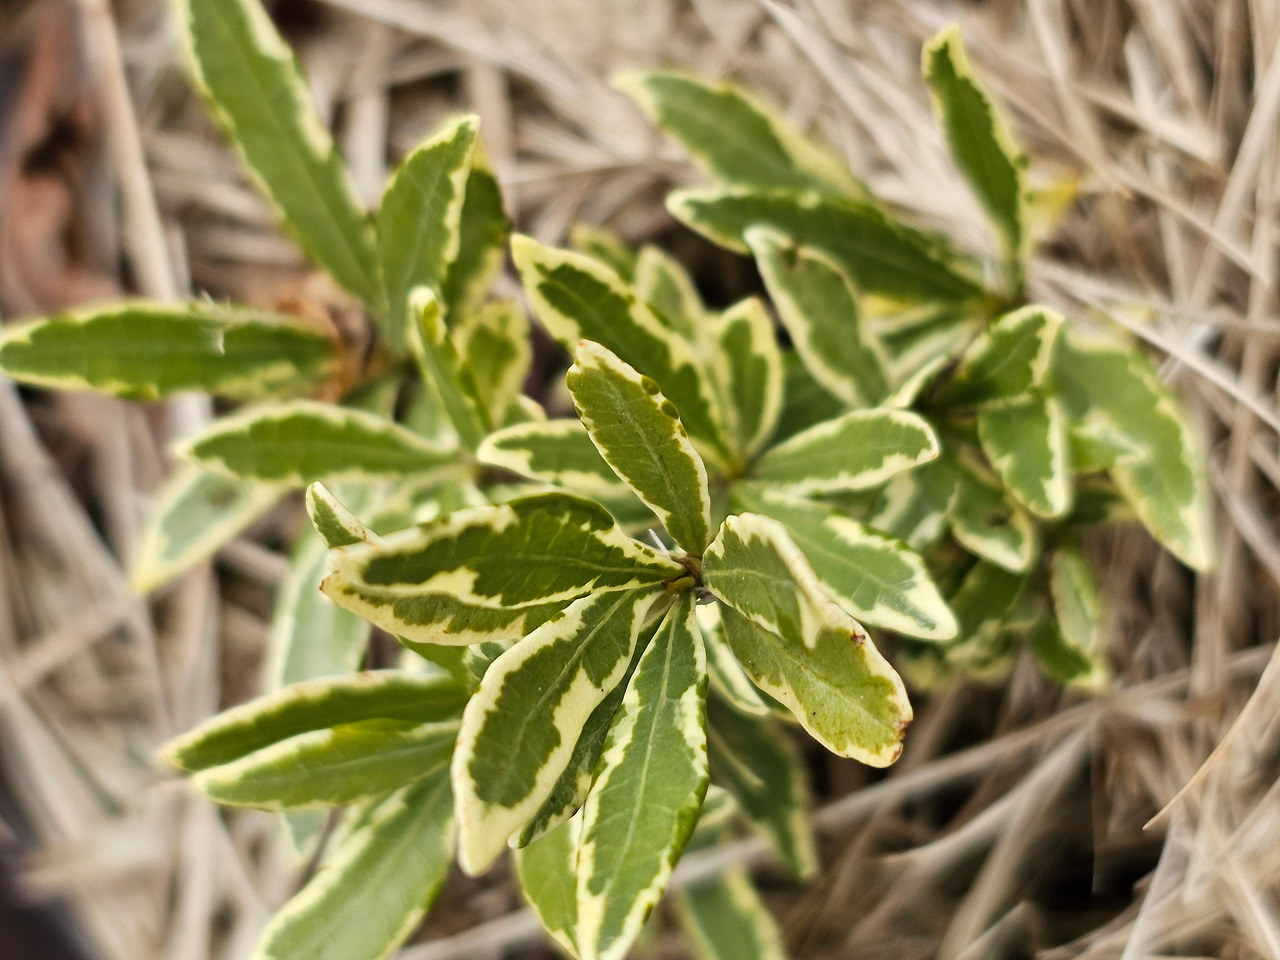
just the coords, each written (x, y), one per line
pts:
(493, 341)
(755, 760)
(752, 374)
(559, 452)
(1027, 445)
(310, 636)
(981, 145)
(665, 285)
(298, 443)
(419, 219)
(380, 695)
(335, 524)
(256, 89)
(639, 434)
(1076, 656)
(804, 402)
(990, 524)
(733, 137)
(841, 689)
(371, 892)
(194, 515)
(520, 729)
(983, 604)
(878, 579)
(880, 254)
(145, 351)
(1163, 479)
(756, 569)
(647, 792)
(571, 789)
(545, 871)
(451, 377)
(861, 449)
(915, 506)
(606, 247)
(727, 677)
(578, 298)
(725, 918)
(818, 307)
(533, 551)
(1008, 361)
(482, 242)
(331, 767)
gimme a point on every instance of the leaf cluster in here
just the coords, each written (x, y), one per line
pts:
(613, 623)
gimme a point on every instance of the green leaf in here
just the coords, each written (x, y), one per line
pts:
(420, 216)
(145, 351)
(310, 636)
(336, 525)
(545, 871)
(1161, 474)
(450, 376)
(733, 137)
(493, 342)
(371, 892)
(981, 144)
(1007, 362)
(257, 91)
(639, 434)
(665, 285)
(576, 298)
(194, 515)
(842, 691)
(753, 374)
(728, 679)
(379, 695)
(520, 729)
(754, 759)
(482, 243)
(331, 767)
(881, 255)
(1027, 445)
(298, 443)
(647, 792)
(725, 919)
(1078, 610)
(606, 247)
(530, 552)
(878, 579)
(555, 451)
(858, 450)
(990, 524)
(818, 307)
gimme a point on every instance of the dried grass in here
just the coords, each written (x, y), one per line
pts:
(1015, 823)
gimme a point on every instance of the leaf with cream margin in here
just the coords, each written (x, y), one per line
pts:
(648, 790)
(639, 434)
(520, 729)
(860, 449)
(818, 306)
(146, 351)
(297, 443)
(258, 94)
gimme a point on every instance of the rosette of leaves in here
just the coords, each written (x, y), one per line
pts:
(557, 669)
(1044, 430)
